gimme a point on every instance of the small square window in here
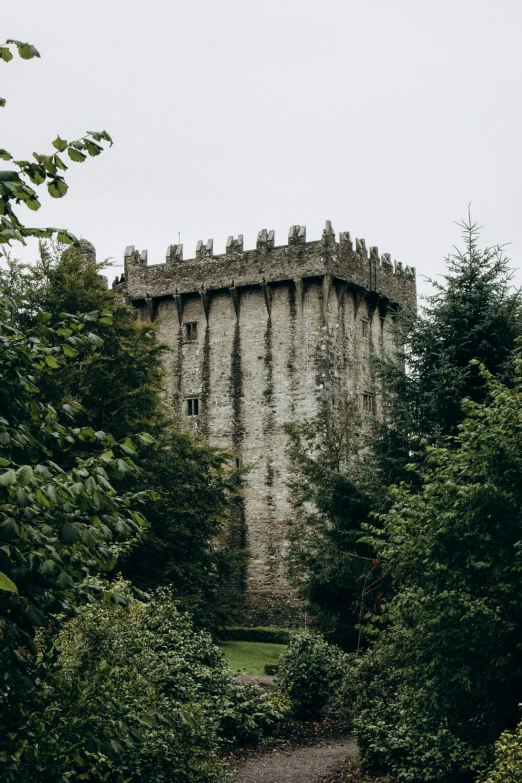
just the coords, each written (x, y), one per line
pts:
(365, 327)
(367, 402)
(191, 331)
(192, 406)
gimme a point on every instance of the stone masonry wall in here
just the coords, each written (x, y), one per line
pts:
(279, 329)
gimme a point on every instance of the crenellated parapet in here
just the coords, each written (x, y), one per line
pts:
(361, 268)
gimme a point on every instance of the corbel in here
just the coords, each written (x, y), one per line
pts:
(234, 293)
(205, 300)
(327, 288)
(340, 290)
(299, 292)
(267, 293)
(178, 299)
(383, 309)
(357, 299)
(152, 303)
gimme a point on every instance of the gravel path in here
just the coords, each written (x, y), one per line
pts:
(297, 765)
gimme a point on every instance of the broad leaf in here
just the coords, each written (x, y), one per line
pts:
(6, 584)
(69, 534)
(76, 155)
(57, 188)
(60, 144)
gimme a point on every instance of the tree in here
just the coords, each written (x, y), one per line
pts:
(475, 313)
(332, 495)
(57, 524)
(59, 527)
(189, 544)
(446, 669)
(120, 387)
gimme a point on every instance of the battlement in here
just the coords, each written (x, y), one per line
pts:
(267, 263)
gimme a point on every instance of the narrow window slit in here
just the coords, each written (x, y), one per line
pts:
(192, 406)
(191, 331)
(367, 402)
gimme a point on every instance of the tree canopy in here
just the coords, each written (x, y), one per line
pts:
(449, 648)
(191, 543)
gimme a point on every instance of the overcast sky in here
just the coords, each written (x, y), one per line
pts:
(386, 117)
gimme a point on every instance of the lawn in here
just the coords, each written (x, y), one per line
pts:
(250, 657)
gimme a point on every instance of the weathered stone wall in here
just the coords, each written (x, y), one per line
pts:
(279, 329)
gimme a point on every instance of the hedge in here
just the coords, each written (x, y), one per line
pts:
(257, 634)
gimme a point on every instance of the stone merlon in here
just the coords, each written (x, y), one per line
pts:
(268, 263)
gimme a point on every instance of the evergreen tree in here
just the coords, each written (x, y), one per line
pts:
(444, 677)
(332, 495)
(475, 313)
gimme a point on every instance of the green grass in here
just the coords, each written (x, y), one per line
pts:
(250, 657)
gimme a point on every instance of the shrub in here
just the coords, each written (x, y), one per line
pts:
(131, 694)
(400, 727)
(308, 670)
(508, 758)
(256, 634)
(246, 716)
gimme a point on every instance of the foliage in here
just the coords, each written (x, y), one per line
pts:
(246, 717)
(118, 386)
(188, 545)
(59, 526)
(473, 314)
(121, 390)
(238, 633)
(140, 696)
(56, 526)
(332, 494)
(446, 666)
(308, 672)
(508, 758)
(46, 169)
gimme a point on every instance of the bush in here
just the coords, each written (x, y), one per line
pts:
(308, 670)
(400, 727)
(246, 716)
(132, 694)
(256, 634)
(508, 758)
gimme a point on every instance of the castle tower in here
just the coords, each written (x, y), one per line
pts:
(259, 339)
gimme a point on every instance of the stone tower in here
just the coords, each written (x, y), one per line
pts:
(260, 338)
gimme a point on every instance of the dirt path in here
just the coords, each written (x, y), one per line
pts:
(295, 765)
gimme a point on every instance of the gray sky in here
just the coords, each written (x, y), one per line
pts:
(228, 116)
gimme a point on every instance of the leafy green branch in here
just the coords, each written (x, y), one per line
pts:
(15, 186)
(26, 51)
